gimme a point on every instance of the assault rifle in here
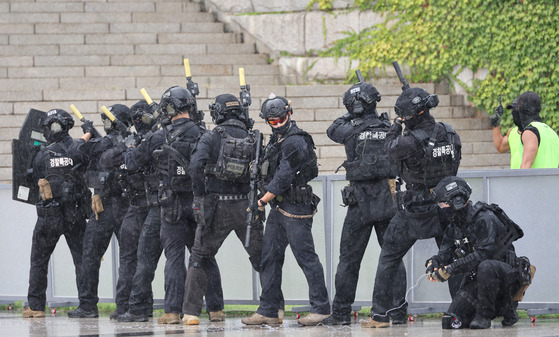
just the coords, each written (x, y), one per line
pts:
(198, 115)
(359, 76)
(253, 218)
(245, 98)
(405, 84)
(94, 132)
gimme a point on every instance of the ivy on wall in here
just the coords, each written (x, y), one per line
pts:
(515, 40)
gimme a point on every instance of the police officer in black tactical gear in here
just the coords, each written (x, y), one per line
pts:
(220, 166)
(425, 152)
(478, 241)
(109, 206)
(136, 186)
(368, 196)
(58, 168)
(289, 163)
(171, 148)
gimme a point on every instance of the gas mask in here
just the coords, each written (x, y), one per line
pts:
(55, 132)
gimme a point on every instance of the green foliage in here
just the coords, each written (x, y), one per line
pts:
(515, 40)
(324, 5)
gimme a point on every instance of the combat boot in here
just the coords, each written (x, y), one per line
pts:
(336, 320)
(131, 317)
(312, 319)
(32, 313)
(169, 318)
(81, 313)
(216, 316)
(190, 320)
(510, 319)
(257, 319)
(371, 323)
(480, 322)
(115, 315)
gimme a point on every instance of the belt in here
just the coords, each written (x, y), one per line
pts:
(222, 197)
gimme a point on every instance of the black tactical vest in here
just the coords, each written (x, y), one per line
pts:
(441, 157)
(109, 182)
(235, 155)
(272, 158)
(368, 161)
(174, 165)
(61, 174)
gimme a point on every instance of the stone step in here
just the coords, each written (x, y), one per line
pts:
(173, 17)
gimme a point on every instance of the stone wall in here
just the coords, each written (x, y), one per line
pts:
(288, 33)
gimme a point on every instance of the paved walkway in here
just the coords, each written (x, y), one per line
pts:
(12, 324)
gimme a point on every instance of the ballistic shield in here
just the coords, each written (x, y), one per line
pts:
(24, 150)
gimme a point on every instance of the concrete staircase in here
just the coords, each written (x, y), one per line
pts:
(95, 53)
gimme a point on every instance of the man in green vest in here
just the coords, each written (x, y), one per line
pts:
(532, 143)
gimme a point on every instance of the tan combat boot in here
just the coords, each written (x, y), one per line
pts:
(371, 323)
(217, 316)
(169, 318)
(32, 313)
(312, 319)
(257, 319)
(190, 320)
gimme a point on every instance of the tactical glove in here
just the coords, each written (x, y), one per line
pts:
(431, 264)
(88, 127)
(441, 275)
(259, 211)
(198, 209)
(496, 117)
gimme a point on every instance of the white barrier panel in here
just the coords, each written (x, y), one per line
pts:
(530, 197)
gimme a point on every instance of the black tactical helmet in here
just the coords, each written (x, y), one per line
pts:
(62, 117)
(361, 98)
(176, 100)
(453, 190)
(225, 106)
(121, 113)
(275, 106)
(414, 100)
(142, 116)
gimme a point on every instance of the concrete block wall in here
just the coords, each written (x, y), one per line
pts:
(54, 53)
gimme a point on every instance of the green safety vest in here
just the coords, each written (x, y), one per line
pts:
(548, 150)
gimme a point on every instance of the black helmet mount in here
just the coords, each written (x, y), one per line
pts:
(122, 114)
(142, 116)
(57, 124)
(454, 191)
(413, 101)
(361, 98)
(226, 106)
(176, 100)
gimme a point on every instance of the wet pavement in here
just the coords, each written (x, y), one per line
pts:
(12, 324)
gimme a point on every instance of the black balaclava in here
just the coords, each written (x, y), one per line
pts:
(282, 130)
(525, 109)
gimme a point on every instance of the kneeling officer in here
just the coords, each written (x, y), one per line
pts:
(478, 242)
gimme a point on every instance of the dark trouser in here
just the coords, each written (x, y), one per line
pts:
(175, 237)
(128, 254)
(488, 294)
(48, 230)
(149, 252)
(281, 231)
(355, 236)
(98, 234)
(228, 216)
(496, 281)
